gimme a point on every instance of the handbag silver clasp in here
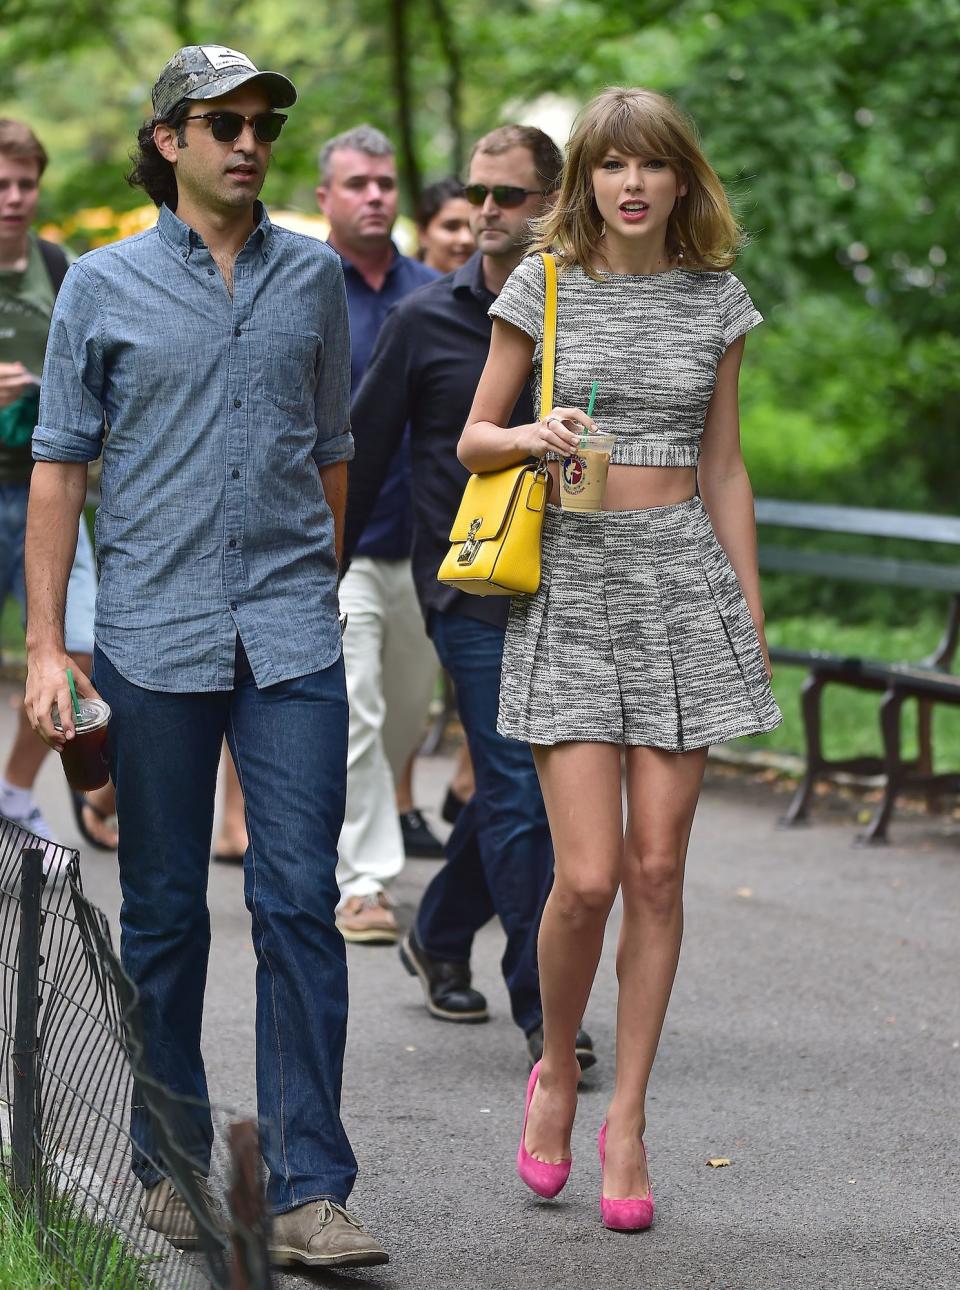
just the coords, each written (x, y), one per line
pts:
(468, 552)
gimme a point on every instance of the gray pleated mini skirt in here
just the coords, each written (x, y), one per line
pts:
(639, 634)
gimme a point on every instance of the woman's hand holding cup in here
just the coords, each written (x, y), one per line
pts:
(559, 431)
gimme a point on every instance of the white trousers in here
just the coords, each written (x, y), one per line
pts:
(391, 674)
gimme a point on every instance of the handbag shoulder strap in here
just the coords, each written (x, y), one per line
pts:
(548, 361)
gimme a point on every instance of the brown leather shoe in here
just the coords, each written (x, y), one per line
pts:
(322, 1234)
(368, 920)
(165, 1211)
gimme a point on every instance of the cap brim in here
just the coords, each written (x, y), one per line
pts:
(280, 90)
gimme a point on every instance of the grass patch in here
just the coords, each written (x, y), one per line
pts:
(21, 1265)
(850, 717)
(79, 1252)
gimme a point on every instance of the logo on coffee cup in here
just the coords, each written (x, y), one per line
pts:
(574, 471)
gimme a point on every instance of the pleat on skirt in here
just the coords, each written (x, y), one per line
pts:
(639, 634)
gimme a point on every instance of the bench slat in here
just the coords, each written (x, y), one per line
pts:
(858, 519)
(861, 568)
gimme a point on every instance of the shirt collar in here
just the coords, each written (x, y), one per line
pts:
(348, 263)
(184, 239)
(468, 280)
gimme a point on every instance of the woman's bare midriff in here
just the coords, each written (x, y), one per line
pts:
(634, 488)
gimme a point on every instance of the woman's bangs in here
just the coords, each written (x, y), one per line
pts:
(632, 133)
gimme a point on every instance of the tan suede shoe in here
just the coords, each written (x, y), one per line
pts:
(368, 920)
(165, 1211)
(322, 1234)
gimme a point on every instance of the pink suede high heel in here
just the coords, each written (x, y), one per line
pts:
(632, 1213)
(545, 1179)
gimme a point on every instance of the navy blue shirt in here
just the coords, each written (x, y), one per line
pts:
(424, 372)
(388, 532)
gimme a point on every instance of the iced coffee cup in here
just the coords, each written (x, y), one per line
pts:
(84, 757)
(583, 474)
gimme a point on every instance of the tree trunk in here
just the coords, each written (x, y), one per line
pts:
(400, 75)
(182, 22)
(451, 53)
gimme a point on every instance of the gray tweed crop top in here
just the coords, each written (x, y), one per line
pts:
(652, 341)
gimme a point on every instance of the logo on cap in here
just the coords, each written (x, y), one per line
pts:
(219, 57)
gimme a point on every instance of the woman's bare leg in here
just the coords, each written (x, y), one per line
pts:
(463, 783)
(662, 793)
(582, 793)
(232, 838)
(404, 785)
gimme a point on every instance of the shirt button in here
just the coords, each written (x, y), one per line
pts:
(233, 542)
(210, 272)
(235, 474)
(237, 331)
(233, 604)
(238, 403)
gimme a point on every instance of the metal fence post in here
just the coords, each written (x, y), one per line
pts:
(248, 1211)
(23, 1142)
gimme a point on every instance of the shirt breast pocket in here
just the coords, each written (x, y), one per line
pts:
(289, 370)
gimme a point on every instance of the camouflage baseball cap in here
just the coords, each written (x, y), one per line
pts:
(207, 71)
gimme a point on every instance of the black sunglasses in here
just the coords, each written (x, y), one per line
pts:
(227, 126)
(503, 194)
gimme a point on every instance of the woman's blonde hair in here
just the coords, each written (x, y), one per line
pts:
(702, 232)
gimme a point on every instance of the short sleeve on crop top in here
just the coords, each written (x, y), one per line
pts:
(738, 314)
(652, 342)
(521, 300)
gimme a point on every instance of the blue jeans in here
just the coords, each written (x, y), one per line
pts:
(289, 744)
(499, 855)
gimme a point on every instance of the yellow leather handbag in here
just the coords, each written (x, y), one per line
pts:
(497, 533)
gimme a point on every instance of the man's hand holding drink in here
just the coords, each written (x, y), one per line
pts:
(48, 689)
(66, 712)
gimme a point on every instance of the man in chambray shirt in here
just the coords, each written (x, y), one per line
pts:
(216, 348)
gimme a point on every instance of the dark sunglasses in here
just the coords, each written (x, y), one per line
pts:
(503, 194)
(227, 126)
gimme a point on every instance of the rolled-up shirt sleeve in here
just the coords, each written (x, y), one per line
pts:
(71, 417)
(334, 439)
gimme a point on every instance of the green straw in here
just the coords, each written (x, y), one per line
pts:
(593, 398)
(73, 694)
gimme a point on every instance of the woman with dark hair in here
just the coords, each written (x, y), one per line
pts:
(443, 226)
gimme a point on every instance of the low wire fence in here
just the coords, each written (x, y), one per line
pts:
(71, 1063)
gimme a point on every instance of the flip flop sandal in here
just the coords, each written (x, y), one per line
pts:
(79, 801)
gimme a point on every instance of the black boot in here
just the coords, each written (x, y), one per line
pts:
(447, 987)
(585, 1054)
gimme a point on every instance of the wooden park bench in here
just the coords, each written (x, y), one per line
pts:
(928, 681)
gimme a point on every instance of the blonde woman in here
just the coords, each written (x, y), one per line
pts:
(645, 643)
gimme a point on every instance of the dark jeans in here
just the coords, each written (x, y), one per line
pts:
(289, 743)
(499, 855)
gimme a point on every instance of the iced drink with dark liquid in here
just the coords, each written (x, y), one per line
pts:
(85, 760)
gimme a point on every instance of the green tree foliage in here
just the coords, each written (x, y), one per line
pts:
(833, 124)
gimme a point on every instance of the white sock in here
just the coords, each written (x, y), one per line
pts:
(15, 801)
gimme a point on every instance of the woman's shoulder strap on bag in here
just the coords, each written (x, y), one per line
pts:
(549, 332)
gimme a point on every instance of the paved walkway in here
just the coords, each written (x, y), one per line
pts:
(813, 1039)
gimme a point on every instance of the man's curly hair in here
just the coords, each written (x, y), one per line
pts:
(151, 171)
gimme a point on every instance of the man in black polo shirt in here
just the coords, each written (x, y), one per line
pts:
(424, 370)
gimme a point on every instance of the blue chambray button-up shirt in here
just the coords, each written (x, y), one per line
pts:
(213, 521)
